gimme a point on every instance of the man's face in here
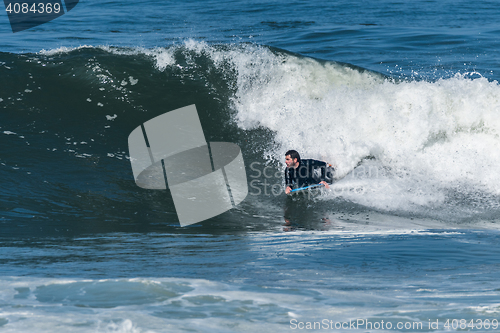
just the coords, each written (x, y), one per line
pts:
(289, 162)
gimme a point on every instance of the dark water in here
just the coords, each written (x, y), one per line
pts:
(401, 97)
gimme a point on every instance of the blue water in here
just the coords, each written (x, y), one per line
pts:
(402, 97)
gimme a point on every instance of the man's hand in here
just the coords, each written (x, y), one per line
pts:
(288, 190)
(325, 184)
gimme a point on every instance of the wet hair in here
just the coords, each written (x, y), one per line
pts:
(293, 154)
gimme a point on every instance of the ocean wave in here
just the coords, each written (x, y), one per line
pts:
(410, 146)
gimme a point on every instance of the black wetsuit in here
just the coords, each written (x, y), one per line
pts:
(309, 172)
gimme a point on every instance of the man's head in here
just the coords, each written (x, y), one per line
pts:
(292, 159)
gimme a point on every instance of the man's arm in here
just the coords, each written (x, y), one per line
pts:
(288, 181)
(322, 166)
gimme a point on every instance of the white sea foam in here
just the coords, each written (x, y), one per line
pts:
(431, 136)
(197, 305)
(446, 130)
(141, 305)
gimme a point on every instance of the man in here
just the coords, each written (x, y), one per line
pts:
(301, 173)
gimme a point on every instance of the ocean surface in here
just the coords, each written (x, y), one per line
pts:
(402, 97)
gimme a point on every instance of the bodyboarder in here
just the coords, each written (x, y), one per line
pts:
(305, 172)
